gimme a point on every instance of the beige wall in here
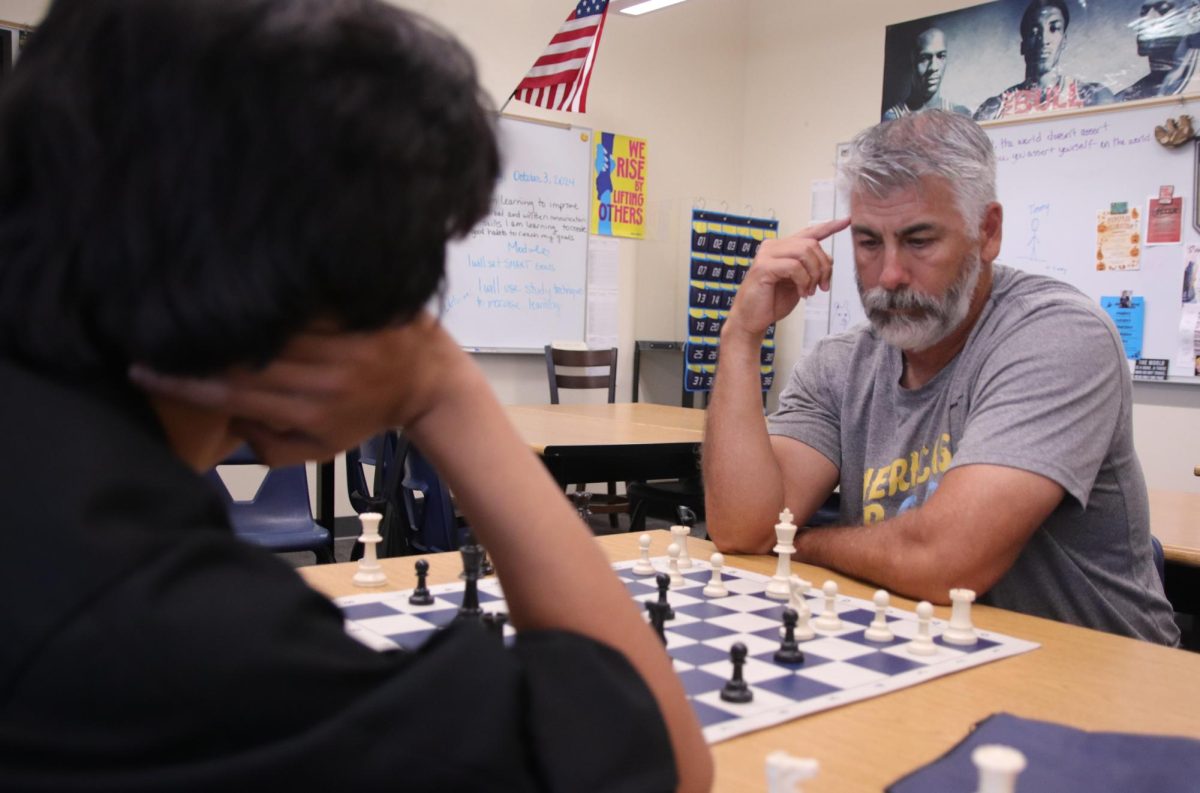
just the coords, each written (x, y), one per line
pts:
(741, 101)
(687, 105)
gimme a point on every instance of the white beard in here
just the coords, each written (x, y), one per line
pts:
(936, 317)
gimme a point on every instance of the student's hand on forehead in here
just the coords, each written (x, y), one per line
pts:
(326, 391)
(784, 271)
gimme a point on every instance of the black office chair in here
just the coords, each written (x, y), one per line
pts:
(279, 515)
(610, 503)
(661, 500)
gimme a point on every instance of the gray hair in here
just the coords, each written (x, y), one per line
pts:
(896, 154)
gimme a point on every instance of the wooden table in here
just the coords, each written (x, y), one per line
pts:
(589, 443)
(612, 442)
(1078, 677)
(1175, 521)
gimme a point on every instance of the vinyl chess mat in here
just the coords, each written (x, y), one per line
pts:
(839, 666)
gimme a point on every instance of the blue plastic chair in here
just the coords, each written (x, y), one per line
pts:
(279, 516)
(432, 520)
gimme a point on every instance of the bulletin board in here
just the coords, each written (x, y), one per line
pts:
(1058, 179)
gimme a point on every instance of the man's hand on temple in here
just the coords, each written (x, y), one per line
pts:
(784, 271)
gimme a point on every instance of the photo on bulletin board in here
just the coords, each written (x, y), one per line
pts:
(1014, 58)
(618, 207)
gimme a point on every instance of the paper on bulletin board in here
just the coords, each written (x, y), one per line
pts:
(602, 292)
(1187, 347)
(1164, 221)
(1129, 315)
(816, 308)
(1118, 239)
(618, 207)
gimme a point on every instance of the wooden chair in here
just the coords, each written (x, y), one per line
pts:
(610, 503)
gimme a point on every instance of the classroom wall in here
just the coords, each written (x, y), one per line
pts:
(746, 110)
(688, 106)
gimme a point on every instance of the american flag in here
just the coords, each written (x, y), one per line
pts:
(559, 77)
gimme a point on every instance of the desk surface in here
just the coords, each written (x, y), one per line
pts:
(1175, 521)
(620, 424)
(1078, 677)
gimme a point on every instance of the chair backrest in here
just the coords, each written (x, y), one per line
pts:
(433, 520)
(279, 515)
(378, 451)
(581, 359)
(283, 492)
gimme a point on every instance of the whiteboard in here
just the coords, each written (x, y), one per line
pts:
(1054, 175)
(517, 281)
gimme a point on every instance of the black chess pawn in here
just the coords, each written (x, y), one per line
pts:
(420, 595)
(664, 583)
(736, 689)
(789, 650)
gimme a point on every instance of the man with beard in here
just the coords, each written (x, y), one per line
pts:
(928, 62)
(1043, 41)
(1168, 35)
(979, 426)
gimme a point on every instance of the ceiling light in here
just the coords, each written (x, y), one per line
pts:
(637, 9)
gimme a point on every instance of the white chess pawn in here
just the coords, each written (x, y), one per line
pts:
(778, 587)
(716, 587)
(673, 565)
(923, 643)
(369, 572)
(643, 566)
(998, 768)
(960, 630)
(878, 630)
(829, 620)
(799, 603)
(785, 772)
(679, 535)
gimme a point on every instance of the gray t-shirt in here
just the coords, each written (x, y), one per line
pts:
(1041, 385)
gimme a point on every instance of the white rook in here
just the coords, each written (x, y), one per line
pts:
(369, 572)
(960, 630)
(998, 767)
(679, 536)
(785, 772)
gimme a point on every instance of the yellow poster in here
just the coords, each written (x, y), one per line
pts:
(618, 186)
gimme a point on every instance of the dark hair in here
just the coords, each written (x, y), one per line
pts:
(188, 183)
(1035, 8)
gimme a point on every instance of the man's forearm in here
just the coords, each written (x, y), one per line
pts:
(743, 483)
(891, 554)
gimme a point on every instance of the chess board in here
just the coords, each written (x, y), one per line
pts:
(839, 666)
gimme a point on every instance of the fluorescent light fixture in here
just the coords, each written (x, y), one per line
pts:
(637, 9)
